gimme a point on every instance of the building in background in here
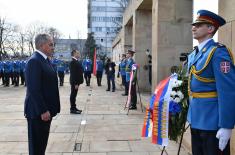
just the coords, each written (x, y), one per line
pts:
(63, 47)
(105, 21)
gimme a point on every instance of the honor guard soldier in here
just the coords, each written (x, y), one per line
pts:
(87, 67)
(7, 73)
(61, 69)
(1, 71)
(22, 71)
(130, 62)
(99, 70)
(11, 65)
(16, 72)
(211, 88)
(122, 71)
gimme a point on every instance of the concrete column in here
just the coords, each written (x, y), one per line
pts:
(128, 36)
(142, 40)
(171, 35)
(227, 37)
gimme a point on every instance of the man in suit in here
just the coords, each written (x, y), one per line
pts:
(211, 88)
(42, 100)
(76, 78)
(110, 71)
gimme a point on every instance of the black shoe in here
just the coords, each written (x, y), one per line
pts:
(107, 89)
(124, 94)
(113, 90)
(133, 108)
(75, 112)
(76, 109)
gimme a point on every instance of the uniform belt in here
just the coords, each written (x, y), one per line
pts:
(211, 94)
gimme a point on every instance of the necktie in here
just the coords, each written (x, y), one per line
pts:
(49, 62)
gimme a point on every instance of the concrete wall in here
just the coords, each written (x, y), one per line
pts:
(142, 40)
(227, 37)
(128, 36)
(171, 35)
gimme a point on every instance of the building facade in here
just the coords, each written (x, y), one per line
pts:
(63, 47)
(105, 20)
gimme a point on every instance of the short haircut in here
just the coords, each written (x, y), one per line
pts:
(73, 52)
(216, 28)
(41, 39)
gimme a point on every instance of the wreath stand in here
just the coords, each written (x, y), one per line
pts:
(138, 90)
(180, 144)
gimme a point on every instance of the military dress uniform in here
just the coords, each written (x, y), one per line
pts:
(99, 71)
(211, 91)
(133, 94)
(22, 71)
(16, 72)
(87, 67)
(122, 71)
(61, 70)
(1, 71)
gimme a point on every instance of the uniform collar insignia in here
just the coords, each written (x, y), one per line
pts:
(204, 50)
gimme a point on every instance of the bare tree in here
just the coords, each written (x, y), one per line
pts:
(7, 42)
(118, 23)
(32, 30)
(20, 38)
(54, 33)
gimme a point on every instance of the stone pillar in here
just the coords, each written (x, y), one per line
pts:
(227, 37)
(171, 30)
(142, 40)
(128, 36)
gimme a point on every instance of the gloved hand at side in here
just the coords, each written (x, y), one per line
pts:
(223, 135)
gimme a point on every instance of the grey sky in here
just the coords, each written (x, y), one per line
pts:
(68, 16)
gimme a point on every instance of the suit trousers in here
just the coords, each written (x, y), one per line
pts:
(99, 77)
(73, 96)
(204, 142)
(61, 77)
(38, 133)
(111, 79)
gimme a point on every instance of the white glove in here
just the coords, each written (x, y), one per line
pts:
(223, 135)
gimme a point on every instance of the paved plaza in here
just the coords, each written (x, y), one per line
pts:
(103, 128)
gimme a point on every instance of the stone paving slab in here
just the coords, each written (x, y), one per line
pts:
(103, 128)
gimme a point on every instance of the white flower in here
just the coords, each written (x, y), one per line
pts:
(177, 83)
(171, 99)
(177, 100)
(174, 83)
(180, 94)
(173, 93)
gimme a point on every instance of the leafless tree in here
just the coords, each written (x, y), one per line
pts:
(54, 33)
(7, 42)
(20, 38)
(31, 31)
(118, 24)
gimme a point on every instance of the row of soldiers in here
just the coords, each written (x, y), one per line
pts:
(14, 70)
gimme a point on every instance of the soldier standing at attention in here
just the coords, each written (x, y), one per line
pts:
(129, 64)
(122, 71)
(211, 89)
(87, 67)
(99, 70)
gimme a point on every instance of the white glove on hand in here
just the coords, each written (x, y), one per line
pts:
(223, 135)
